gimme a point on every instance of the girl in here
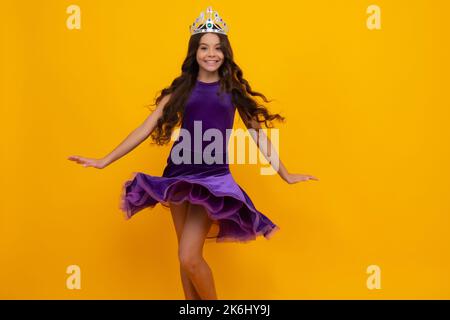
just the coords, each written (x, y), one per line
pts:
(200, 194)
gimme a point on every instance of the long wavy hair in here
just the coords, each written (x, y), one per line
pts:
(231, 80)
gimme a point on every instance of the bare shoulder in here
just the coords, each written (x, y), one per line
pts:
(162, 103)
(164, 100)
(150, 122)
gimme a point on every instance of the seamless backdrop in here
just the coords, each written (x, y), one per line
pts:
(367, 113)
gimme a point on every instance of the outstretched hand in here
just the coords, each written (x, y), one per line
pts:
(294, 178)
(89, 162)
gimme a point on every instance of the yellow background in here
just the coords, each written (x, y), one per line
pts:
(367, 113)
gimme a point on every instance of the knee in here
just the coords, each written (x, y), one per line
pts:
(189, 260)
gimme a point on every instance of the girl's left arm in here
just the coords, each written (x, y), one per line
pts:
(267, 148)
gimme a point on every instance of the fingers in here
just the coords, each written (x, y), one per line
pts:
(80, 160)
(306, 177)
(75, 158)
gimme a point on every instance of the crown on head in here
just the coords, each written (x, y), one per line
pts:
(211, 22)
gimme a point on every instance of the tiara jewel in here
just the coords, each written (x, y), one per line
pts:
(211, 22)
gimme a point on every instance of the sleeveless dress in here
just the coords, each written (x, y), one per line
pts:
(234, 216)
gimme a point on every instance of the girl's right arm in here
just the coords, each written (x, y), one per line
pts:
(136, 137)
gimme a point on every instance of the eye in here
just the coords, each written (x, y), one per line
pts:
(218, 48)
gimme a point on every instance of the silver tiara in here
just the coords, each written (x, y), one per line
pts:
(209, 22)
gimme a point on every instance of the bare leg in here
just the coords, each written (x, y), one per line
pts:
(195, 230)
(179, 212)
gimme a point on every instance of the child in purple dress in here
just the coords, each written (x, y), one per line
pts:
(199, 189)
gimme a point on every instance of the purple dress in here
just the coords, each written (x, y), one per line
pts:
(211, 185)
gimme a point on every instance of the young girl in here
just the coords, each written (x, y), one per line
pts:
(200, 194)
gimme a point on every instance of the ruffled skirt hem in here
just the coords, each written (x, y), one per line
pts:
(234, 217)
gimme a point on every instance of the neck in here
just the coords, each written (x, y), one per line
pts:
(208, 77)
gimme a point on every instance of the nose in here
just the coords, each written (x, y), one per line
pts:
(211, 53)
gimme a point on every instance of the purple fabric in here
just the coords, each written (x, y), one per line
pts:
(210, 185)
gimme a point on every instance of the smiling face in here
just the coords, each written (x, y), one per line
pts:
(209, 54)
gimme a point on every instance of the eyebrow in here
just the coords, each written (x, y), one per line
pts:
(207, 44)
